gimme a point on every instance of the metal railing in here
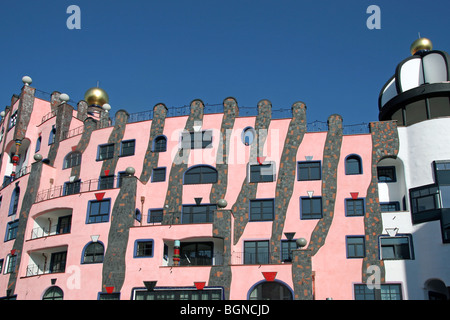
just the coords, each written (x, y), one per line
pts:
(110, 182)
(45, 232)
(35, 270)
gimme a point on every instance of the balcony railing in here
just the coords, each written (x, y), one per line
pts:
(45, 232)
(83, 186)
(35, 270)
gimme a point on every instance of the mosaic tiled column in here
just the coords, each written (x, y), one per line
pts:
(385, 143)
(248, 189)
(173, 203)
(157, 128)
(286, 177)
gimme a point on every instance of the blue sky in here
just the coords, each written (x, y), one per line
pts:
(146, 52)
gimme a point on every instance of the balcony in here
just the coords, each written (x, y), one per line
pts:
(46, 261)
(54, 222)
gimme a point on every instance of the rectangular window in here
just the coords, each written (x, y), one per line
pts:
(256, 252)
(143, 249)
(386, 174)
(424, 203)
(390, 206)
(11, 231)
(109, 296)
(11, 263)
(355, 246)
(396, 248)
(106, 151)
(179, 294)
(309, 170)
(158, 174)
(311, 208)
(196, 140)
(58, 262)
(196, 253)
(127, 148)
(386, 292)
(106, 182)
(98, 211)
(286, 250)
(72, 187)
(262, 173)
(354, 207)
(13, 120)
(442, 172)
(198, 214)
(155, 215)
(262, 210)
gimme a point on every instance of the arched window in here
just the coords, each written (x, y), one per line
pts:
(53, 293)
(73, 159)
(93, 253)
(353, 164)
(160, 144)
(200, 174)
(272, 290)
(14, 202)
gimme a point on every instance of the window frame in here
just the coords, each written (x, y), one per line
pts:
(376, 294)
(397, 248)
(311, 176)
(309, 215)
(261, 215)
(354, 212)
(156, 147)
(349, 166)
(104, 217)
(191, 172)
(108, 151)
(128, 153)
(12, 228)
(352, 249)
(390, 170)
(255, 176)
(136, 251)
(150, 218)
(192, 217)
(72, 185)
(160, 171)
(256, 259)
(94, 255)
(195, 144)
(72, 159)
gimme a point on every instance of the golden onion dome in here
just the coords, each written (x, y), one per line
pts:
(96, 96)
(421, 44)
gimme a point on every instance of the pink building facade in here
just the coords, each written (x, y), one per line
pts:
(107, 207)
(208, 204)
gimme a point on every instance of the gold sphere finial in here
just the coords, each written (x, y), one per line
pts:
(421, 44)
(96, 96)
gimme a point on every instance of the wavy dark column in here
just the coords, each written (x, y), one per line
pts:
(286, 176)
(220, 275)
(64, 114)
(301, 267)
(115, 137)
(231, 111)
(385, 143)
(248, 189)
(122, 218)
(173, 203)
(28, 200)
(89, 126)
(157, 128)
